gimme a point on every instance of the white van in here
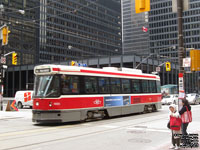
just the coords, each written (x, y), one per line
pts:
(24, 98)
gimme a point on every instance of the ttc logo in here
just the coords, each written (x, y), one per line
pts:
(97, 102)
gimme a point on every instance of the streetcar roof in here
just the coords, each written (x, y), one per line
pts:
(104, 72)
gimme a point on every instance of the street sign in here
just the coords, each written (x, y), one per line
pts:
(186, 62)
(181, 86)
(3, 60)
(157, 69)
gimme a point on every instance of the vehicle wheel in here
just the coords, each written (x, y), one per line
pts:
(154, 108)
(19, 105)
(195, 102)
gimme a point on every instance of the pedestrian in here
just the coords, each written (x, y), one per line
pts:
(175, 131)
(186, 115)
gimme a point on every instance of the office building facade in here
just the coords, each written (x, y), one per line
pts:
(163, 32)
(135, 39)
(163, 28)
(54, 31)
(77, 29)
(20, 17)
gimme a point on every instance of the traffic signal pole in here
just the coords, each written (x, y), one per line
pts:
(1, 79)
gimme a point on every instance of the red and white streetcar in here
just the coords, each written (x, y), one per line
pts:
(70, 93)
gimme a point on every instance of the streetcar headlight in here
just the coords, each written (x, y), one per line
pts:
(37, 103)
(50, 104)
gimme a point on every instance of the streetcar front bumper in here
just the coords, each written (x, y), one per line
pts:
(42, 116)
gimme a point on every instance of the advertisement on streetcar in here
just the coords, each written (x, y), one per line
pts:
(116, 101)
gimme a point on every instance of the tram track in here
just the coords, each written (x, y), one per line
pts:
(163, 116)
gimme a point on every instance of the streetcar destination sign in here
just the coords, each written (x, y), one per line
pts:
(45, 70)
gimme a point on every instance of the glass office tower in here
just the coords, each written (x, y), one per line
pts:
(163, 27)
(77, 29)
(20, 16)
(135, 39)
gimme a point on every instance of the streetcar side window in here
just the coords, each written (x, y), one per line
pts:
(91, 85)
(69, 84)
(158, 86)
(126, 86)
(115, 85)
(136, 88)
(145, 86)
(103, 85)
(152, 87)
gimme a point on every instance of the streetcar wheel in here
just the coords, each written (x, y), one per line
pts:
(90, 115)
(154, 108)
(19, 105)
(145, 109)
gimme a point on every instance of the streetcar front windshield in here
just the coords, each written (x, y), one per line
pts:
(47, 86)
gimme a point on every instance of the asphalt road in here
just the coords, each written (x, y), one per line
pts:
(139, 131)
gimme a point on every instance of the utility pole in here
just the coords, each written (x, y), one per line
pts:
(181, 50)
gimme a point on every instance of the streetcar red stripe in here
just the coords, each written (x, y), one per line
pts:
(87, 102)
(56, 69)
(106, 73)
(113, 73)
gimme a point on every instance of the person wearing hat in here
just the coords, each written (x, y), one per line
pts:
(175, 138)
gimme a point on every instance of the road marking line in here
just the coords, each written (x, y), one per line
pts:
(147, 129)
(33, 131)
(109, 126)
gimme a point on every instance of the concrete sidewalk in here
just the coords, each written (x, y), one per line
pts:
(21, 113)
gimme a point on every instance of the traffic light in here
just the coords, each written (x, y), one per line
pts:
(73, 63)
(195, 60)
(14, 58)
(142, 6)
(168, 66)
(5, 33)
